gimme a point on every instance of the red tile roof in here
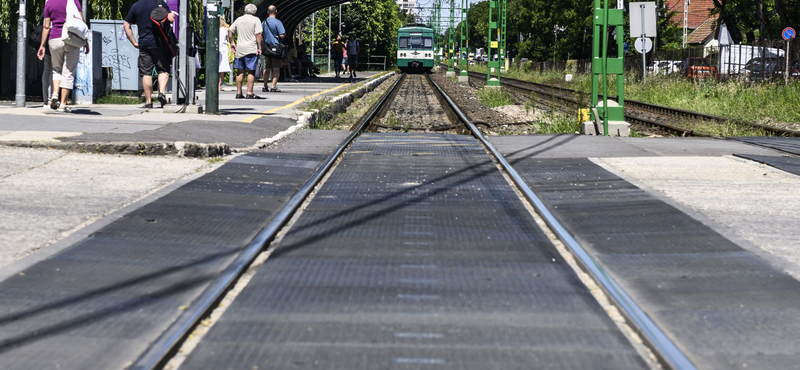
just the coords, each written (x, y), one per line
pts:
(698, 12)
(700, 34)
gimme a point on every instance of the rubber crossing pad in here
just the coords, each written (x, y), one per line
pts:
(723, 306)
(414, 261)
(785, 144)
(788, 164)
(99, 303)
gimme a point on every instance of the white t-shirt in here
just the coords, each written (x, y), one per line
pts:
(352, 47)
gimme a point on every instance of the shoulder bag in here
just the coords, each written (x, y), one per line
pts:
(75, 32)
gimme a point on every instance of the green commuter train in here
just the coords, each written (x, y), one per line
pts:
(415, 48)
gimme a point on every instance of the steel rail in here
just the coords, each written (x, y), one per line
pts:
(159, 352)
(649, 107)
(667, 351)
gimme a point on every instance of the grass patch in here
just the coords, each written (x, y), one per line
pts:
(558, 123)
(118, 99)
(493, 97)
(316, 104)
(215, 160)
(771, 104)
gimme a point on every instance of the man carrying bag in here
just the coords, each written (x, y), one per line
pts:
(273, 49)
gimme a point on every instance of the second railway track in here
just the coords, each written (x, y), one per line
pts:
(653, 115)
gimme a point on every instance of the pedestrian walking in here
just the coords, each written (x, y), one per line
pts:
(274, 33)
(35, 40)
(224, 43)
(353, 49)
(338, 54)
(248, 49)
(151, 57)
(64, 51)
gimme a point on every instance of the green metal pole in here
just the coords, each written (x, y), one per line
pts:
(212, 60)
(464, 41)
(502, 40)
(452, 39)
(493, 44)
(605, 68)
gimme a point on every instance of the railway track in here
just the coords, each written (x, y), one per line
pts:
(170, 341)
(638, 112)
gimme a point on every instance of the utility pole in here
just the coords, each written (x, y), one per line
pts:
(340, 19)
(685, 20)
(212, 58)
(463, 75)
(183, 37)
(231, 78)
(22, 28)
(451, 41)
(313, 26)
(329, 39)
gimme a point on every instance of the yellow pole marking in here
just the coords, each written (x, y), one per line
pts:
(290, 105)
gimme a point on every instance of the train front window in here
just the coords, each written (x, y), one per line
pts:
(415, 42)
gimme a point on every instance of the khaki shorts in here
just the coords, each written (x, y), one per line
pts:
(273, 63)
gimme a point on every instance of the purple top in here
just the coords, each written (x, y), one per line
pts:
(56, 10)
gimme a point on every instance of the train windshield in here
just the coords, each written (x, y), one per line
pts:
(415, 42)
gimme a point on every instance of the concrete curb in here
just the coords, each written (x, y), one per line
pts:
(178, 148)
(338, 104)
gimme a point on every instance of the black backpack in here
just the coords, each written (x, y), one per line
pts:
(162, 31)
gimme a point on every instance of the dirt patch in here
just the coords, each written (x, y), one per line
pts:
(464, 97)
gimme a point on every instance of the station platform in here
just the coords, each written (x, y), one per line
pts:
(241, 124)
(416, 252)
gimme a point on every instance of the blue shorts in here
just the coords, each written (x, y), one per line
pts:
(248, 62)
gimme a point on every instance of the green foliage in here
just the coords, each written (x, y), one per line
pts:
(118, 99)
(493, 97)
(98, 9)
(373, 22)
(558, 123)
(316, 104)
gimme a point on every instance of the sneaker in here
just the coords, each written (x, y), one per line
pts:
(265, 89)
(254, 96)
(54, 103)
(239, 96)
(162, 99)
(147, 106)
(64, 109)
(274, 89)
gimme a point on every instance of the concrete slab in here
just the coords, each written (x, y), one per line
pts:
(116, 128)
(48, 194)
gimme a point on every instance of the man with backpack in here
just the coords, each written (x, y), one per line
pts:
(274, 33)
(247, 48)
(151, 56)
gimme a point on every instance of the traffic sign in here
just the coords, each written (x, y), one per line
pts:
(788, 33)
(626, 46)
(643, 45)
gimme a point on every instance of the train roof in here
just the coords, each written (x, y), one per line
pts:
(415, 28)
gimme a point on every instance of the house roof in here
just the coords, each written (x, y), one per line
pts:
(698, 12)
(706, 29)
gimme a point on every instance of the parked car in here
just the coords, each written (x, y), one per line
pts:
(699, 69)
(663, 67)
(764, 69)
